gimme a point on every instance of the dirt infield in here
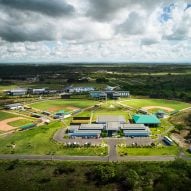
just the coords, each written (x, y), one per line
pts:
(4, 126)
(72, 108)
(158, 107)
(55, 109)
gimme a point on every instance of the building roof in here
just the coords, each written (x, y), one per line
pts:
(136, 132)
(110, 118)
(113, 126)
(129, 126)
(19, 90)
(91, 126)
(73, 127)
(86, 133)
(14, 105)
(145, 119)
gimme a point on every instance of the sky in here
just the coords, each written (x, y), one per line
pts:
(95, 31)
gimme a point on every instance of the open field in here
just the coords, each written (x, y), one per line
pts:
(139, 103)
(5, 126)
(59, 104)
(19, 123)
(111, 108)
(5, 115)
(154, 151)
(38, 141)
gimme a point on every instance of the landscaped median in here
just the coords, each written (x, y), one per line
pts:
(39, 141)
(147, 151)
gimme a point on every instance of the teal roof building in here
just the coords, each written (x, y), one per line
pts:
(146, 119)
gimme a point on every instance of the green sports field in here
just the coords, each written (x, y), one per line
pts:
(67, 105)
(5, 115)
(39, 141)
(138, 103)
(20, 122)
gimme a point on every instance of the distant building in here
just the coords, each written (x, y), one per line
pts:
(65, 95)
(150, 120)
(39, 91)
(79, 89)
(17, 92)
(14, 106)
(109, 94)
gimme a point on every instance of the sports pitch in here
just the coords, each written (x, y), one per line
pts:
(59, 104)
(139, 103)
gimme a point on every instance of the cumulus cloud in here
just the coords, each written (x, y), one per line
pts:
(124, 30)
(50, 7)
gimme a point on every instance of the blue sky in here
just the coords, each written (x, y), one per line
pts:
(95, 31)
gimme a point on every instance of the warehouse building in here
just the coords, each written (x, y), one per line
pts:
(136, 130)
(111, 125)
(14, 106)
(85, 134)
(17, 92)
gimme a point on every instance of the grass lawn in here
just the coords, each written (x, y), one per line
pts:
(164, 126)
(20, 122)
(138, 103)
(5, 115)
(155, 151)
(38, 141)
(112, 108)
(66, 105)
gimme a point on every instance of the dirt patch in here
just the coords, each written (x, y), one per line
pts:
(71, 108)
(56, 108)
(4, 126)
(168, 109)
(179, 138)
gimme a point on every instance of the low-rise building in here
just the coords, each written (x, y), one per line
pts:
(149, 120)
(17, 92)
(135, 130)
(109, 94)
(86, 133)
(160, 114)
(79, 89)
(14, 106)
(109, 125)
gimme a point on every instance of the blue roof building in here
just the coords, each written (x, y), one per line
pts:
(150, 120)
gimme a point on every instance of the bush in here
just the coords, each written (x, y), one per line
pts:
(12, 165)
(63, 170)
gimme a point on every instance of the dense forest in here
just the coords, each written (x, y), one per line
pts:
(82, 176)
(155, 81)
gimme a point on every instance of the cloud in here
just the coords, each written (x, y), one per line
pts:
(125, 30)
(134, 24)
(50, 7)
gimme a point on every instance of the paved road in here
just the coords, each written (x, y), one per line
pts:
(88, 158)
(112, 149)
(54, 157)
